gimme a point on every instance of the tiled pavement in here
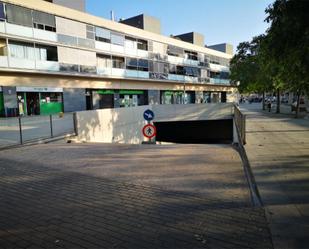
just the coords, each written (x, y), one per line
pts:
(67, 200)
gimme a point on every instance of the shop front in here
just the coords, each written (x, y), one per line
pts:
(177, 97)
(129, 98)
(39, 100)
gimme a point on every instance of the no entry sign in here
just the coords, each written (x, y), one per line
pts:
(149, 131)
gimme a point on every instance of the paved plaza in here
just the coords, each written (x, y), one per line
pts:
(127, 196)
(278, 150)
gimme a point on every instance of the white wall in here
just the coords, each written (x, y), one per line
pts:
(124, 125)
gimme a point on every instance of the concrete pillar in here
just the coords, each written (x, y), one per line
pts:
(74, 99)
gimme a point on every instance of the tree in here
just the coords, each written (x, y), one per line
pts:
(248, 68)
(287, 43)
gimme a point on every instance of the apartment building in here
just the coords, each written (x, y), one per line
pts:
(55, 57)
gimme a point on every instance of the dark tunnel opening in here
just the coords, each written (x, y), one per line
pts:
(195, 132)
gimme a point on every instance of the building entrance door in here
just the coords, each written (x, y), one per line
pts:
(33, 103)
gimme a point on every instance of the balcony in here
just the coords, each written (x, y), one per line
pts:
(142, 53)
(175, 59)
(44, 35)
(219, 81)
(19, 30)
(117, 49)
(191, 62)
(191, 79)
(47, 66)
(217, 68)
(4, 61)
(21, 63)
(104, 46)
(118, 72)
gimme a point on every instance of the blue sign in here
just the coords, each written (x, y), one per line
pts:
(148, 115)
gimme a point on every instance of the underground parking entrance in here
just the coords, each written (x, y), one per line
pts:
(195, 132)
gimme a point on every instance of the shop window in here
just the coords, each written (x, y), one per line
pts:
(22, 50)
(104, 61)
(90, 32)
(117, 39)
(172, 69)
(44, 21)
(18, 15)
(3, 47)
(142, 45)
(2, 14)
(118, 62)
(51, 97)
(102, 35)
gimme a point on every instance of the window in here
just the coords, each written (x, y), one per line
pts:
(117, 39)
(142, 45)
(172, 69)
(118, 62)
(18, 15)
(180, 70)
(90, 32)
(44, 21)
(22, 50)
(175, 51)
(159, 70)
(131, 63)
(2, 15)
(104, 61)
(102, 35)
(51, 97)
(191, 55)
(143, 65)
(130, 43)
(192, 71)
(46, 53)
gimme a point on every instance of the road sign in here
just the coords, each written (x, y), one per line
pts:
(148, 115)
(149, 131)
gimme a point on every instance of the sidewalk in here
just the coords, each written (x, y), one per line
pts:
(278, 150)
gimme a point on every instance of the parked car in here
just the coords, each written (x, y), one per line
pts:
(302, 106)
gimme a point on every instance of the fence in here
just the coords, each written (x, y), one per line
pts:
(20, 130)
(240, 122)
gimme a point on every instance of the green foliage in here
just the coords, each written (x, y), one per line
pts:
(278, 59)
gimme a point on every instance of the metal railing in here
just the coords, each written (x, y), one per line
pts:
(240, 122)
(21, 130)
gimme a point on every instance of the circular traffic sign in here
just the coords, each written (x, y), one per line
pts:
(149, 131)
(148, 115)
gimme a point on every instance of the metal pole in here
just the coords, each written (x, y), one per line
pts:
(51, 126)
(20, 131)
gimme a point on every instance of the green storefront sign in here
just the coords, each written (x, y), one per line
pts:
(105, 92)
(131, 92)
(50, 108)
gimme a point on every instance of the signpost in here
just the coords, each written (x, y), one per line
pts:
(149, 130)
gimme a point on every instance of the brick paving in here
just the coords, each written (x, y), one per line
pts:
(71, 200)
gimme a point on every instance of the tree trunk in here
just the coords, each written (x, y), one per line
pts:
(263, 99)
(297, 104)
(278, 101)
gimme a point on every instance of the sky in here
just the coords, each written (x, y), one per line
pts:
(231, 21)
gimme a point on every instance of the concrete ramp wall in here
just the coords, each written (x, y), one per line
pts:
(124, 125)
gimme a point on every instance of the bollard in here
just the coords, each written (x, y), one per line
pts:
(51, 126)
(20, 131)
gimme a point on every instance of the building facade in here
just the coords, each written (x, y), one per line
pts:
(54, 59)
